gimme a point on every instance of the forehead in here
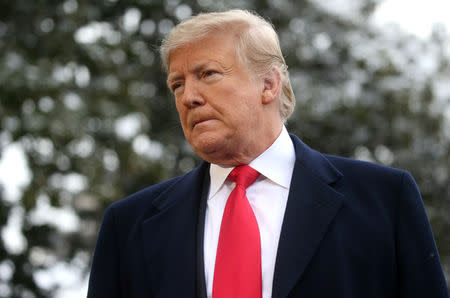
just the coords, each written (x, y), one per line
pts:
(219, 49)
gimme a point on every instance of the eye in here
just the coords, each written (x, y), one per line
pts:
(175, 86)
(208, 73)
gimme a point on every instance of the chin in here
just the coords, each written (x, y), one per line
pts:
(208, 149)
(207, 142)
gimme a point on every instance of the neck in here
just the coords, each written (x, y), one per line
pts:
(248, 152)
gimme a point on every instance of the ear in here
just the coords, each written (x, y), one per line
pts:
(272, 86)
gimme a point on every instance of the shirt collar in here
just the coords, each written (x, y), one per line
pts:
(276, 164)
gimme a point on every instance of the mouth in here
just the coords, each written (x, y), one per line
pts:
(200, 121)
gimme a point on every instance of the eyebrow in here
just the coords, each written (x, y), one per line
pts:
(194, 69)
(173, 77)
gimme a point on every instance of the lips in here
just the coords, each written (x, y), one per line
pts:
(201, 120)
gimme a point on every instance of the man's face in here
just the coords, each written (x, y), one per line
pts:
(219, 104)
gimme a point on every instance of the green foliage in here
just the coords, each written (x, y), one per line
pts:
(82, 92)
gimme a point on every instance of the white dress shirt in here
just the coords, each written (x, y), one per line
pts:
(267, 196)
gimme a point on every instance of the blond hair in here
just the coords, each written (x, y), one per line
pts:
(257, 46)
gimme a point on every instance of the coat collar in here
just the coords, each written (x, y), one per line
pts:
(312, 205)
(172, 238)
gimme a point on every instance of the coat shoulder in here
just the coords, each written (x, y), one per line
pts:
(364, 169)
(146, 196)
(145, 200)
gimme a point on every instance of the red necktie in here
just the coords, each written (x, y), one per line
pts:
(237, 272)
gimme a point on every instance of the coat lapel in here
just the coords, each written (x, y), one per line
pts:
(312, 205)
(170, 238)
(200, 268)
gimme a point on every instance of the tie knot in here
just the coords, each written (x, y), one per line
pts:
(243, 175)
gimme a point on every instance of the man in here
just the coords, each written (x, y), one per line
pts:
(306, 225)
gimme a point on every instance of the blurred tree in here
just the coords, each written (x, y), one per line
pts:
(83, 94)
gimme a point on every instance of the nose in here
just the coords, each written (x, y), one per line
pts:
(192, 97)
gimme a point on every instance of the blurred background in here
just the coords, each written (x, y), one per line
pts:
(86, 118)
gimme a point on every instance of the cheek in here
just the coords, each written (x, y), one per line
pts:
(180, 110)
(182, 114)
